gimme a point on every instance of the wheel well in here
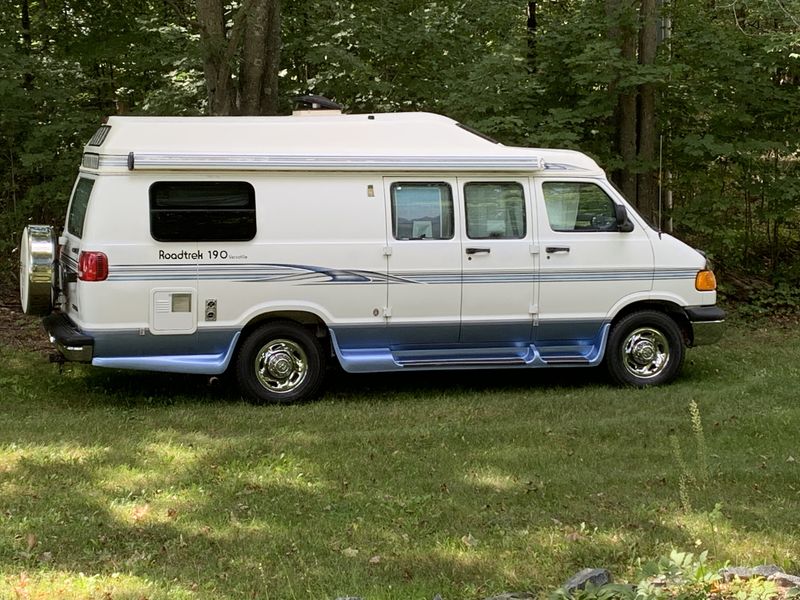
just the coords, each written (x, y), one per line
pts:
(308, 320)
(674, 311)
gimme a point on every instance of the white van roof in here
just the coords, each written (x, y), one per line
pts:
(381, 141)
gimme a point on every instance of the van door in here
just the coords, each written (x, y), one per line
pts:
(70, 251)
(587, 266)
(498, 262)
(424, 262)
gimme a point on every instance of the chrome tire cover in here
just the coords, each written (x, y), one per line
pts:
(37, 258)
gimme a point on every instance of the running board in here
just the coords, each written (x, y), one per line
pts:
(567, 360)
(428, 363)
(581, 353)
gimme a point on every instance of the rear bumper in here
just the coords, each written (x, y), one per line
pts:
(71, 342)
(708, 324)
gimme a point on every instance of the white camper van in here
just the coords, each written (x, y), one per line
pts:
(273, 246)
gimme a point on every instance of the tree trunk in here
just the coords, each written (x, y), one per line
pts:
(647, 200)
(216, 49)
(531, 37)
(269, 91)
(255, 38)
(27, 43)
(622, 29)
(254, 52)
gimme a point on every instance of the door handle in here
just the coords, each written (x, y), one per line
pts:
(476, 250)
(554, 249)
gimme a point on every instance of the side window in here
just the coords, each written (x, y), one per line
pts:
(202, 211)
(578, 206)
(78, 205)
(495, 211)
(422, 211)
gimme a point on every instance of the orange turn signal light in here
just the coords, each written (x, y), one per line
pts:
(705, 281)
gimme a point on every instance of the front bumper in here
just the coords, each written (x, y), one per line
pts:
(71, 342)
(708, 324)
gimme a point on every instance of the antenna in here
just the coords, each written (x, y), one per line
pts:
(660, 186)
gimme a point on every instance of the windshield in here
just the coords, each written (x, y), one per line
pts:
(632, 207)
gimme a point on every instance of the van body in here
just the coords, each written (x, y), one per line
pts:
(386, 242)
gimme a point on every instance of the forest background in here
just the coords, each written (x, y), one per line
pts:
(692, 105)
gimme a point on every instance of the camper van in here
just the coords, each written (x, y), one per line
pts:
(274, 247)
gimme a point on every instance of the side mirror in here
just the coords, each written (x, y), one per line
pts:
(623, 224)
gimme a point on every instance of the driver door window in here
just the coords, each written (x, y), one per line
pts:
(578, 206)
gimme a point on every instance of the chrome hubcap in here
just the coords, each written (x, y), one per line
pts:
(281, 366)
(645, 352)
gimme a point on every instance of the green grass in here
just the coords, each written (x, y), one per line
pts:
(130, 485)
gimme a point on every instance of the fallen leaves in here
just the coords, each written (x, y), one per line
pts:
(140, 512)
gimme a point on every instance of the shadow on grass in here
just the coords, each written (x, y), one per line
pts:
(247, 513)
(138, 388)
(179, 483)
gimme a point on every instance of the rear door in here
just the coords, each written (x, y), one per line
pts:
(424, 261)
(73, 234)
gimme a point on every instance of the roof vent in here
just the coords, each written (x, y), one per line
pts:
(315, 105)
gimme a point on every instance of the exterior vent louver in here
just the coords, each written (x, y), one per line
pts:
(100, 135)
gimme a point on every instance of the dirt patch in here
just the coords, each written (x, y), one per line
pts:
(19, 331)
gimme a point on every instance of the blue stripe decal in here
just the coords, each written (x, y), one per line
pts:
(70, 264)
(313, 275)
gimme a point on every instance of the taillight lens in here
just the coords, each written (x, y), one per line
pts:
(92, 266)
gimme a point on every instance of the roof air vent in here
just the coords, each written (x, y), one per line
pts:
(316, 105)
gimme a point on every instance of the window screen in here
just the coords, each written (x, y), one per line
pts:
(78, 206)
(202, 211)
(422, 211)
(494, 211)
(577, 206)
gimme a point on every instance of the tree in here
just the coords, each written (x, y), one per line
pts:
(241, 55)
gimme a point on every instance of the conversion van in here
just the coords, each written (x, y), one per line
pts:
(274, 246)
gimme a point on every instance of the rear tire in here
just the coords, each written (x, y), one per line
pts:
(645, 348)
(37, 266)
(280, 363)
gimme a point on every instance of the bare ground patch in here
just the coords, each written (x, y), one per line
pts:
(19, 331)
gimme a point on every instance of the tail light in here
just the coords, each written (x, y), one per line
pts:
(92, 266)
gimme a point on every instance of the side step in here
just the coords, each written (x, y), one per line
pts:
(499, 361)
(371, 360)
(567, 360)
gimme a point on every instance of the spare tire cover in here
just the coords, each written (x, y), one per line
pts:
(37, 257)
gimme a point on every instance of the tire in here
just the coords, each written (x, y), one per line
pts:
(280, 363)
(37, 267)
(644, 349)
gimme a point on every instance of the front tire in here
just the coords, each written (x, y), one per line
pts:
(645, 348)
(280, 363)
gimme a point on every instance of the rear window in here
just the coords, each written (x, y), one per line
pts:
(78, 205)
(202, 211)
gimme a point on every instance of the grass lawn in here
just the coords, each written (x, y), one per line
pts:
(124, 485)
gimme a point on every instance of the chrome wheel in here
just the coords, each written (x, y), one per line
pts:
(281, 366)
(645, 352)
(280, 362)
